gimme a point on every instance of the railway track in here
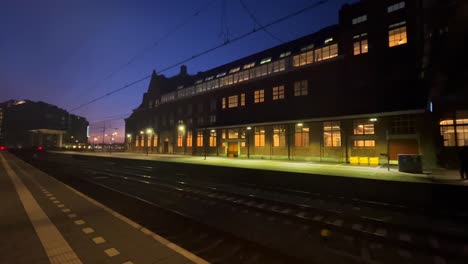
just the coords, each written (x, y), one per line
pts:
(438, 245)
(352, 235)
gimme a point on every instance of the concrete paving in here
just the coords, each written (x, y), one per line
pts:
(438, 176)
(43, 220)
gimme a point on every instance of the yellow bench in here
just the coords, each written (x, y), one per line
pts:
(363, 160)
(354, 160)
(374, 161)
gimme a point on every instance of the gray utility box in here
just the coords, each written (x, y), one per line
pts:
(409, 163)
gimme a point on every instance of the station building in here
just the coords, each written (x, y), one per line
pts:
(358, 92)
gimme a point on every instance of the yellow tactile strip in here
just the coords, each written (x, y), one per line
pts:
(55, 246)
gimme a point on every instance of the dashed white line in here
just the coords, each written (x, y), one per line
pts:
(87, 230)
(72, 215)
(66, 210)
(60, 205)
(56, 202)
(52, 198)
(112, 252)
(79, 222)
(99, 240)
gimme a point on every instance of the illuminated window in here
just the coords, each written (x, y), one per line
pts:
(242, 100)
(300, 88)
(180, 135)
(137, 141)
(397, 34)
(223, 105)
(363, 127)
(285, 54)
(250, 65)
(279, 65)
(265, 60)
(233, 133)
(279, 136)
(396, 7)
(360, 45)
(234, 70)
(332, 134)
(259, 96)
(213, 139)
(155, 140)
(278, 92)
(189, 138)
(455, 132)
(364, 143)
(326, 52)
(142, 141)
(233, 101)
(301, 136)
(259, 137)
(359, 19)
(200, 139)
(220, 74)
(303, 58)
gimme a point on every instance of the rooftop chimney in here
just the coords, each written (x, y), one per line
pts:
(183, 70)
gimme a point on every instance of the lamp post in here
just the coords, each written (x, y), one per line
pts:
(129, 141)
(181, 129)
(248, 141)
(149, 131)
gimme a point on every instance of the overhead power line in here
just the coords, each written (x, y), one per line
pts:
(257, 22)
(157, 42)
(225, 43)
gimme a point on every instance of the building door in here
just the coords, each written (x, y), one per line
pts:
(402, 146)
(166, 147)
(233, 149)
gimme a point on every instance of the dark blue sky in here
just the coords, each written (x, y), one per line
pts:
(61, 52)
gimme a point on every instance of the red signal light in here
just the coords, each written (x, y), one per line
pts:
(2, 148)
(40, 148)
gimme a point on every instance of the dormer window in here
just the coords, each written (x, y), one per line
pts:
(265, 60)
(359, 19)
(209, 78)
(220, 74)
(328, 40)
(285, 54)
(234, 70)
(308, 47)
(180, 87)
(199, 81)
(396, 7)
(250, 65)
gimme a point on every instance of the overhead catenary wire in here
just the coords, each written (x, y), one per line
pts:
(257, 22)
(156, 43)
(225, 43)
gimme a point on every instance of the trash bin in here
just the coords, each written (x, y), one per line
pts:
(409, 163)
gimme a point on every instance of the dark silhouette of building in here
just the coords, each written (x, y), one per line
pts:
(27, 123)
(352, 92)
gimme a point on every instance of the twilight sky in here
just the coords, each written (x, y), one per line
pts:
(63, 51)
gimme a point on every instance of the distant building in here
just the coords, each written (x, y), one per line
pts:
(352, 92)
(27, 123)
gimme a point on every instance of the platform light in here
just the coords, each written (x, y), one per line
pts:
(249, 128)
(181, 127)
(129, 135)
(149, 131)
(141, 132)
(373, 119)
(300, 124)
(212, 130)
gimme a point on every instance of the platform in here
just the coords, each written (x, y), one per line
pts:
(439, 176)
(43, 220)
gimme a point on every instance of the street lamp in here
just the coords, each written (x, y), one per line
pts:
(149, 131)
(248, 141)
(129, 141)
